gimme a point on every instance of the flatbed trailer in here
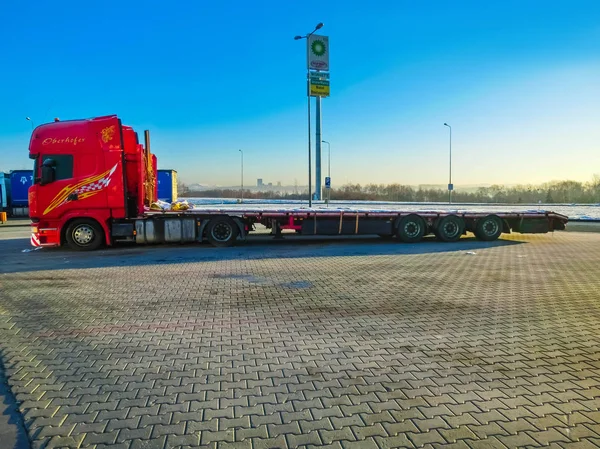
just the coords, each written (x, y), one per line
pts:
(95, 184)
(223, 227)
(226, 227)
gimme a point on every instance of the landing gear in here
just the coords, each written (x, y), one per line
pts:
(276, 230)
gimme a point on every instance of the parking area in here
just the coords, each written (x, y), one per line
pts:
(354, 343)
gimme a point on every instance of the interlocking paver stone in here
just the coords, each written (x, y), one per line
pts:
(154, 443)
(100, 438)
(270, 443)
(354, 344)
(64, 442)
(329, 436)
(583, 444)
(423, 438)
(304, 439)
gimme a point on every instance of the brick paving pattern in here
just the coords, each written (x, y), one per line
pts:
(340, 345)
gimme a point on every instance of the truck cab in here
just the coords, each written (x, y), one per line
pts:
(87, 174)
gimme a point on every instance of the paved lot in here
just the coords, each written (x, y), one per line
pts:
(354, 344)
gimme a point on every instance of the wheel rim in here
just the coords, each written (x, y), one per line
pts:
(222, 232)
(412, 229)
(83, 235)
(451, 229)
(490, 227)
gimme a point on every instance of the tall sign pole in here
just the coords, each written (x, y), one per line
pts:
(317, 83)
(328, 177)
(309, 133)
(450, 185)
(319, 87)
(318, 183)
(242, 177)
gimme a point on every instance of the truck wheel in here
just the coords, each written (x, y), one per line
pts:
(488, 228)
(450, 228)
(411, 229)
(84, 235)
(222, 231)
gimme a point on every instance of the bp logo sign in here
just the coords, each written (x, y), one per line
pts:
(318, 48)
(318, 56)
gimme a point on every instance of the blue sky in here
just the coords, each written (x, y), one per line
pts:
(518, 81)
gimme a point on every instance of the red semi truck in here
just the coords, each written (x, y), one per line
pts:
(94, 184)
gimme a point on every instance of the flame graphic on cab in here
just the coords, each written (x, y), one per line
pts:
(83, 189)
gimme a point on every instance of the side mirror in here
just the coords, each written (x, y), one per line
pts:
(48, 172)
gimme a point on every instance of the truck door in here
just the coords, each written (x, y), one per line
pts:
(54, 174)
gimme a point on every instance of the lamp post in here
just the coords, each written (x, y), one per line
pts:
(242, 176)
(31, 121)
(328, 169)
(450, 186)
(318, 27)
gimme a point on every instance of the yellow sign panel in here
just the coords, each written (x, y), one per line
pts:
(317, 90)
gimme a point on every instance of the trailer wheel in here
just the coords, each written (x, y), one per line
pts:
(84, 235)
(450, 228)
(222, 231)
(411, 229)
(488, 228)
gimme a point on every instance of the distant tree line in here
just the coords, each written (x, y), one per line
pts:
(552, 192)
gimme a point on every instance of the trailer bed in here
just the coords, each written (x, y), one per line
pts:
(304, 212)
(221, 226)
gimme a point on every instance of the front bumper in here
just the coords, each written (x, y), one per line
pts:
(44, 236)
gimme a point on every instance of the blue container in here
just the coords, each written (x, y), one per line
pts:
(167, 185)
(4, 191)
(20, 181)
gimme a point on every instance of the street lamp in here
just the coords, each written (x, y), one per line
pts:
(450, 186)
(31, 121)
(242, 176)
(328, 169)
(297, 38)
(328, 158)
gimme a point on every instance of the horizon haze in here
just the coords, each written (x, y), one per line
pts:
(518, 82)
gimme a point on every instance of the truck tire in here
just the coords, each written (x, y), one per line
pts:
(411, 229)
(488, 228)
(222, 231)
(450, 228)
(84, 235)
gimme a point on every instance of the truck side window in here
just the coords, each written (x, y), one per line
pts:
(63, 165)
(36, 179)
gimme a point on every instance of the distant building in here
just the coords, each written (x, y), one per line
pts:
(278, 183)
(270, 184)
(259, 182)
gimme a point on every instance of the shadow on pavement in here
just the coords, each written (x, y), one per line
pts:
(12, 431)
(17, 254)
